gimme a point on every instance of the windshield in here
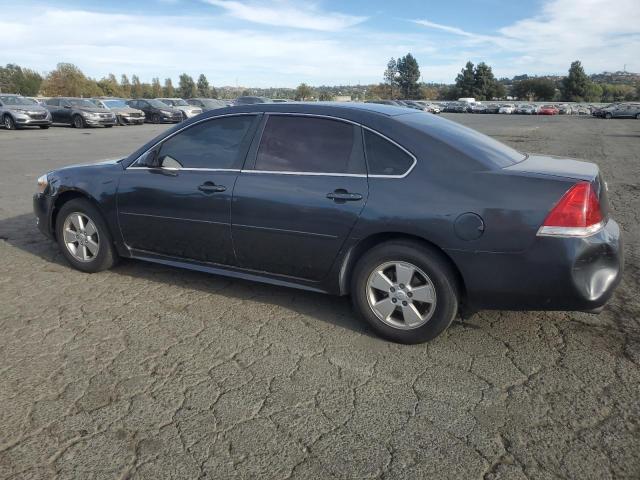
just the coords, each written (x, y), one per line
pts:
(180, 103)
(80, 102)
(158, 104)
(115, 103)
(16, 100)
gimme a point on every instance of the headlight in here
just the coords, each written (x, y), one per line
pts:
(165, 112)
(43, 182)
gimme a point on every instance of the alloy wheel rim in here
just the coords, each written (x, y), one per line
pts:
(401, 295)
(7, 122)
(81, 237)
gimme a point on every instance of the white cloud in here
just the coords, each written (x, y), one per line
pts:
(602, 34)
(160, 46)
(283, 14)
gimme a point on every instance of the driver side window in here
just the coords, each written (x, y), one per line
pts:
(214, 144)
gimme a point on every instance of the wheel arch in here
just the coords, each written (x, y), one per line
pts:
(65, 197)
(356, 252)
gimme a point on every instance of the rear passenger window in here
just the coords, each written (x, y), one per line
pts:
(309, 144)
(216, 143)
(385, 158)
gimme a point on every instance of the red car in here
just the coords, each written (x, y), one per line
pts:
(548, 110)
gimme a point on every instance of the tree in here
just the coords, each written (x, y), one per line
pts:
(16, 79)
(408, 76)
(486, 86)
(156, 89)
(110, 86)
(325, 96)
(576, 86)
(465, 82)
(66, 80)
(213, 93)
(533, 89)
(136, 87)
(168, 90)
(391, 77)
(203, 86)
(304, 92)
(125, 86)
(186, 87)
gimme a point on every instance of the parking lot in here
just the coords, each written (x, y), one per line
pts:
(146, 371)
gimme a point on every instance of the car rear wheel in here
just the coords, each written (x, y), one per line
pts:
(8, 122)
(84, 238)
(406, 291)
(638, 116)
(78, 121)
(607, 116)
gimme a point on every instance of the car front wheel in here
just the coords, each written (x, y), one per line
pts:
(8, 122)
(78, 122)
(406, 291)
(84, 238)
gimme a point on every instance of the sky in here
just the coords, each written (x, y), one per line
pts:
(282, 43)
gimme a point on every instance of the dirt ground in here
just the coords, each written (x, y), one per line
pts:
(150, 372)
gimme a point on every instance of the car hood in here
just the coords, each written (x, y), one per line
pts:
(98, 164)
(25, 108)
(90, 109)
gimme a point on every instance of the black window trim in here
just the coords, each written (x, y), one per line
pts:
(329, 174)
(133, 165)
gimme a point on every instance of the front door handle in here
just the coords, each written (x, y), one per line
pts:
(210, 187)
(341, 195)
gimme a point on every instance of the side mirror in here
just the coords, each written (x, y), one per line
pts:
(66, 106)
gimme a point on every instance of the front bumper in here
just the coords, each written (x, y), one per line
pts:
(128, 119)
(96, 122)
(42, 207)
(556, 273)
(22, 121)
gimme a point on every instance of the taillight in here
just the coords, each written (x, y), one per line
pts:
(577, 214)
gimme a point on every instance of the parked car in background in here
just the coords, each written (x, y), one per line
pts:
(79, 113)
(526, 109)
(249, 100)
(207, 104)
(156, 111)
(299, 195)
(281, 100)
(395, 103)
(187, 110)
(125, 115)
(17, 111)
(492, 108)
(430, 107)
(477, 108)
(548, 110)
(564, 109)
(507, 108)
(38, 100)
(621, 110)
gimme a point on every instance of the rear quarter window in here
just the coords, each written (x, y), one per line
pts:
(384, 157)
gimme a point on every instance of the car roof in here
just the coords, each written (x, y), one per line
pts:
(338, 109)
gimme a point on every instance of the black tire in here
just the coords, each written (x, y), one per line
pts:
(8, 122)
(638, 116)
(608, 116)
(108, 126)
(43, 127)
(78, 122)
(155, 118)
(439, 273)
(106, 255)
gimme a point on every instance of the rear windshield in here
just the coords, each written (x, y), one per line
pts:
(466, 140)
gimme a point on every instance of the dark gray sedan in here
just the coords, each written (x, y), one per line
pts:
(416, 217)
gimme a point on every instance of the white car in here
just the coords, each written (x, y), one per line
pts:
(507, 108)
(188, 111)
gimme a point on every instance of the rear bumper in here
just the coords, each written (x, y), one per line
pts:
(554, 274)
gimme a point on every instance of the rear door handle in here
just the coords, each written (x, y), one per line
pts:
(341, 195)
(210, 187)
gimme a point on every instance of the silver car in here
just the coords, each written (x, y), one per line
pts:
(17, 111)
(124, 113)
(188, 111)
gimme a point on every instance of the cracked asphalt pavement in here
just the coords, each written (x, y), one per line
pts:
(149, 372)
